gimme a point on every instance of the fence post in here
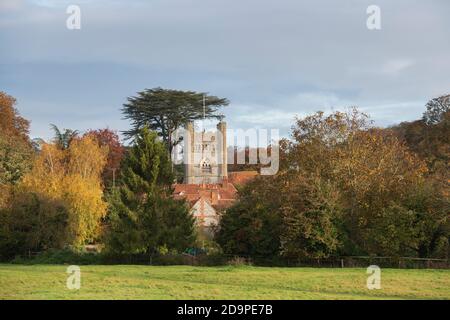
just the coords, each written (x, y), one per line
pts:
(342, 263)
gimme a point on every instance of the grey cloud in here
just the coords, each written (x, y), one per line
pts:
(272, 59)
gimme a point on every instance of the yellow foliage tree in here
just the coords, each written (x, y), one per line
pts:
(72, 176)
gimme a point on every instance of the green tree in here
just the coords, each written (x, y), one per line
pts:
(63, 139)
(143, 216)
(311, 212)
(164, 111)
(254, 224)
(16, 152)
(33, 223)
(15, 159)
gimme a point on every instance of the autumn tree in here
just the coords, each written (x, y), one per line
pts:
(16, 152)
(164, 111)
(109, 139)
(430, 140)
(143, 215)
(374, 174)
(62, 191)
(11, 123)
(345, 187)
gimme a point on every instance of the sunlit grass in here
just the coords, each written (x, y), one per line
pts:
(187, 282)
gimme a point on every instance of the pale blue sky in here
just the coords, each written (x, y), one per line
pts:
(272, 59)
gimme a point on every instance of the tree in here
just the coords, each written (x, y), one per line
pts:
(143, 215)
(164, 111)
(58, 203)
(147, 165)
(116, 151)
(419, 225)
(32, 223)
(310, 212)
(436, 108)
(71, 177)
(15, 148)
(254, 224)
(63, 139)
(344, 187)
(375, 175)
(432, 143)
(15, 159)
(11, 123)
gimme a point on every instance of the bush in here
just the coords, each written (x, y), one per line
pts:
(33, 223)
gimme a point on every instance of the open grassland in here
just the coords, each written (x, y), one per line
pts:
(187, 282)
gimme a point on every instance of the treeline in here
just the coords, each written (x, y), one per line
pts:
(344, 187)
(348, 188)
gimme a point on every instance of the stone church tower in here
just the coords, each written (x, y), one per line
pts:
(205, 155)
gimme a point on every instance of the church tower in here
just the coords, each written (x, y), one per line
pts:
(205, 155)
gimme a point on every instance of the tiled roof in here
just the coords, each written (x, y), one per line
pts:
(218, 195)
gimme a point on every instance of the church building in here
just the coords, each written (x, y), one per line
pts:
(207, 187)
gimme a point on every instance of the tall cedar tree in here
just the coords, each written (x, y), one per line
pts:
(143, 216)
(164, 111)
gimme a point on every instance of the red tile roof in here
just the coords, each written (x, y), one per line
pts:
(218, 195)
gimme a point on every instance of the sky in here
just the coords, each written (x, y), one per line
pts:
(273, 60)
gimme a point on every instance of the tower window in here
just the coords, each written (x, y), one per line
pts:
(205, 166)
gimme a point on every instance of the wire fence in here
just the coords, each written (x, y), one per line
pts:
(202, 259)
(331, 262)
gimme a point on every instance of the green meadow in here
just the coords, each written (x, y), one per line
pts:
(228, 282)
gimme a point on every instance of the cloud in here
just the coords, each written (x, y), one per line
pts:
(396, 66)
(272, 59)
(10, 5)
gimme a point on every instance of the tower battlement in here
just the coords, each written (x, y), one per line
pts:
(205, 155)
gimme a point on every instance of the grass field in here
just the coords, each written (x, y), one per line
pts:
(187, 282)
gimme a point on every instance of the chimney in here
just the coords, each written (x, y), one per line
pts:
(224, 182)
